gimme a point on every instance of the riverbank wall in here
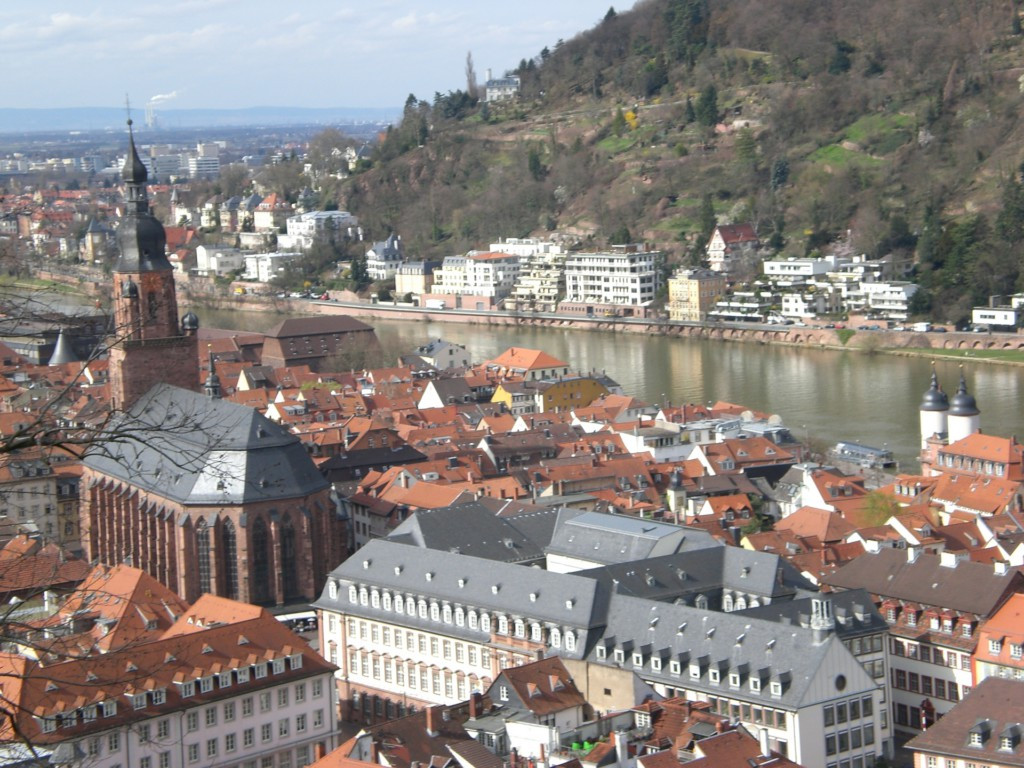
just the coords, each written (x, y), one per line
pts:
(896, 342)
(884, 341)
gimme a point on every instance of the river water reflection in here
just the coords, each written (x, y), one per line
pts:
(823, 395)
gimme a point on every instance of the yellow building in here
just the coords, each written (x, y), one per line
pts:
(562, 393)
(693, 292)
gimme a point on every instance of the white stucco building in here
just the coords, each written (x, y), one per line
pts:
(626, 275)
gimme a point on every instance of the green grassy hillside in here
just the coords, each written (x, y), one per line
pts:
(898, 123)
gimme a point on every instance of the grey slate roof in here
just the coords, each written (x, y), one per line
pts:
(62, 353)
(193, 449)
(473, 529)
(791, 655)
(854, 612)
(563, 599)
(727, 641)
(607, 539)
(970, 587)
(682, 576)
(451, 391)
(318, 325)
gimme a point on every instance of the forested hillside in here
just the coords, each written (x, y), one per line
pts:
(898, 122)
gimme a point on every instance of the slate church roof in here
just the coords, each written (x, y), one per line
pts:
(196, 450)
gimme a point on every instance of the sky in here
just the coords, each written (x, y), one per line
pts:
(188, 54)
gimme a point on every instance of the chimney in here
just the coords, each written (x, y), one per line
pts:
(622, 747)
(822, 620)
(542, 760)
(434, 720)
(912, 554)
(720, 726)
(948, 559)
(762, 737)
(475, 705)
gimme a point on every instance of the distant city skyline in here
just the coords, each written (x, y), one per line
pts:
(195, 54)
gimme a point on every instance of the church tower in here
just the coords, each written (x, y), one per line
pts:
(149, 346)
(964, 416)
(934, 413)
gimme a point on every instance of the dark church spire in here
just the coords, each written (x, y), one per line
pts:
(141, 237)
(212, 385)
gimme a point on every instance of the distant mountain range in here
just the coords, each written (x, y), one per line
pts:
(103, 118)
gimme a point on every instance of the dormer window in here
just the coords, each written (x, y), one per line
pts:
(187, 689)
(159, 696)
(734, 679)
(695, 671)
(602, 652)
(138, 700)
(638, 659)
(242, 674)
(353, 594)
(995, 647)
(619, 655)
(206, 684)
(656, 664)
(755, 684)
(675, 667)
(261, 670)
(278, 666)
(776, 688)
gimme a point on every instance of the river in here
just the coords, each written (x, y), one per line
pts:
(820, 394)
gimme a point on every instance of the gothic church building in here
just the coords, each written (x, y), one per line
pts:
(203, 494)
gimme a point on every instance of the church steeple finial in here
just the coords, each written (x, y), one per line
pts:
(135, 175)
(212, 384)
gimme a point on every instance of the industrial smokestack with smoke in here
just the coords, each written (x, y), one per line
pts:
(160, 98)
